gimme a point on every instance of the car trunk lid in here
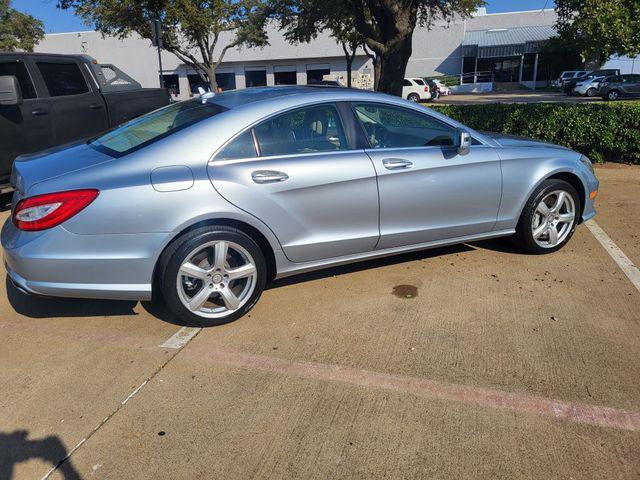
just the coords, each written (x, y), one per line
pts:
(28, 170)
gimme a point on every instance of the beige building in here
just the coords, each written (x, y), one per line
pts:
(446, 48)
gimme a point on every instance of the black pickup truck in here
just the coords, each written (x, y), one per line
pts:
(48, 100)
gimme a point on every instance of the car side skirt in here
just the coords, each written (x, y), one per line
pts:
(287, 268)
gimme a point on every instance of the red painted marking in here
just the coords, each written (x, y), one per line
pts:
(482, 397)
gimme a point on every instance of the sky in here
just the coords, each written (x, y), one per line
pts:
(56, 20)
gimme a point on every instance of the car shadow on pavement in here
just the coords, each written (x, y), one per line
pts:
(371, 264)
(48, 307)
(15, 447)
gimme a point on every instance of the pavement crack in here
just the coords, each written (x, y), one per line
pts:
(119, 407)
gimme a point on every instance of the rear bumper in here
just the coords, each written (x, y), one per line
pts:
(58, 263)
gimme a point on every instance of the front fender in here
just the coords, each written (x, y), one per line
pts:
(523, 170)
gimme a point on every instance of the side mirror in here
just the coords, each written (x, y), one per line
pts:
(463, 141)
(10, 93)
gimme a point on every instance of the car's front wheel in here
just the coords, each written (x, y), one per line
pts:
(591, 92)
(212, 275)
(549, 217)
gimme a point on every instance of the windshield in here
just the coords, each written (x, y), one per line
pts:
(153, 126)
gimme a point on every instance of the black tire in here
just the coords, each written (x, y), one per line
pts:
(173, 257)
(413, 97)
(524, 235)
(591, 92)
(613, 95)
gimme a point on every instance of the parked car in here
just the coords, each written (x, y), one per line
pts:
(567, 75)
(570, 84)
(620, 86)
(415, 90)
(442, 88)
(48, 100)
(588, 88)
(205, 201)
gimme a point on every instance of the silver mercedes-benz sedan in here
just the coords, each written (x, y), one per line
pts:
(205, 201)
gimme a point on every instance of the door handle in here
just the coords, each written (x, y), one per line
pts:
(95, 106)
(268, 176)
(39, 111)
(396, 163)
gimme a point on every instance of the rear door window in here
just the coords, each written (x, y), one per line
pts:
(311, 129)
(19, 70)
(62, 79)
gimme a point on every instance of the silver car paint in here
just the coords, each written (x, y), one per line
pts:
(319, 217)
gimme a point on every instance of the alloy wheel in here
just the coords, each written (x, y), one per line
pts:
(553, 219)
(216, 279)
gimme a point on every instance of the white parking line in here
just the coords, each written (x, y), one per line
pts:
(626, 265)
(181, 337)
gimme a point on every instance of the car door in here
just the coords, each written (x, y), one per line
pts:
(307, 182)
(78, 106)
(428, 192)
(24, 128)
(633, 86)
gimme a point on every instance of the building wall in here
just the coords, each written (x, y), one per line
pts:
(435, 51)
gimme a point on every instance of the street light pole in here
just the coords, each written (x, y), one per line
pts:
(156, 40)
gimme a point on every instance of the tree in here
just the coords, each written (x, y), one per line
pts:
(386, 26)
(18, 31)
(199, 33)
(603, 27)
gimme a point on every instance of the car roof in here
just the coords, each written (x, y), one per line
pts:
(253, 95)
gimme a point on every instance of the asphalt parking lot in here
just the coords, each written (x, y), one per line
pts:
(473, 361)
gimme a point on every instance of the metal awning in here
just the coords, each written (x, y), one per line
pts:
(506, 42)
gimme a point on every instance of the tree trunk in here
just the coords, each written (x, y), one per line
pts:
(211, 73)
(349, 64)
(393, 65)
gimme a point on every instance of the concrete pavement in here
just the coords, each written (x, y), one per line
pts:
(473, 361)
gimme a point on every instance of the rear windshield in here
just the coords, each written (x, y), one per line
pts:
(153, 126)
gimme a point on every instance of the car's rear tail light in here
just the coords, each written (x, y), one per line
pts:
(51, 209)
(426, 88)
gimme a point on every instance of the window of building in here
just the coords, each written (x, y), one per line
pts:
(240, 147)
(317, 75)
(396, 127)
(226, 81)
(285, 78)
(255, 78)
(172, 83)
(307, 130)
(63, 79)
(19, 70)
(196, 81)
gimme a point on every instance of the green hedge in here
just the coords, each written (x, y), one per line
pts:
(602, 131)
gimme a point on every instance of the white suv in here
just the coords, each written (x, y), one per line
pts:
(415, 90)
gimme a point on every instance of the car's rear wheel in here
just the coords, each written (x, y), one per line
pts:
(212, 275)
(413, 97)
(613, 95)
(549, 217)
(591, 92)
